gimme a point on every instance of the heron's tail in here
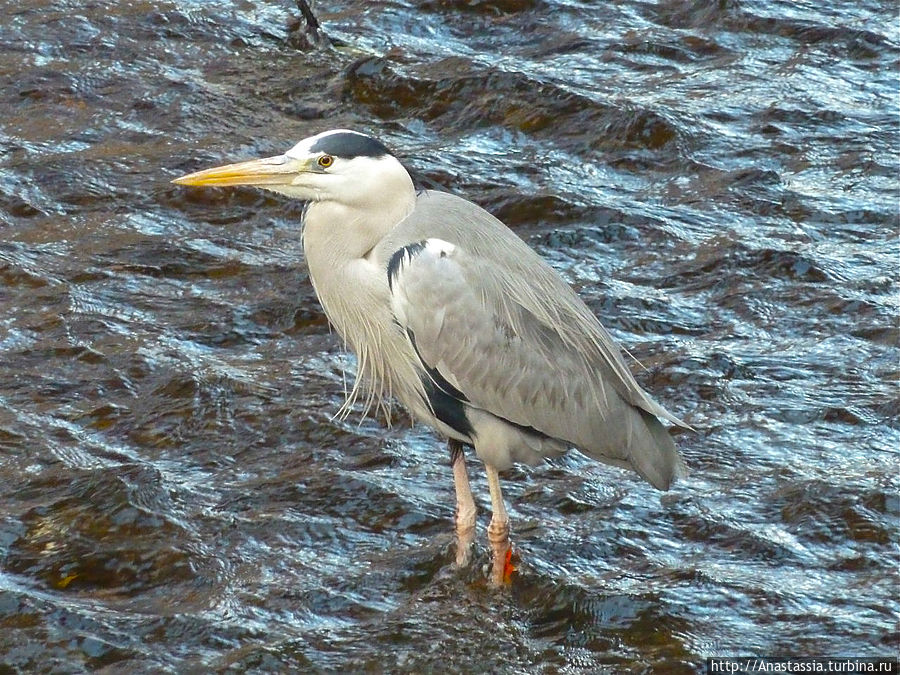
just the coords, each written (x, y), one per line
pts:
(652, 451)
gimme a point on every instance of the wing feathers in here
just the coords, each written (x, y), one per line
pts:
(494, 323)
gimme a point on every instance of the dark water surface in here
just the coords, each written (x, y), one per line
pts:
(718, 179)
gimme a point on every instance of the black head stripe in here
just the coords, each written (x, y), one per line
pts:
(347, 145)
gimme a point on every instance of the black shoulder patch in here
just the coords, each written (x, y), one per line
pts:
(446, 401)
(408, 252)
(449, 410)
(347, 144)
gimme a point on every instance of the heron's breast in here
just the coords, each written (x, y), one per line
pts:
(356, 300)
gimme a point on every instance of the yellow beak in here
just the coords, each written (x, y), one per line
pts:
(278, 170)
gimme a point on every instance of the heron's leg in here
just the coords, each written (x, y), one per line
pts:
(498, 531)
(465, 504)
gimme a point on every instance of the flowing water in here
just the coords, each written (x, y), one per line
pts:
(718, 179)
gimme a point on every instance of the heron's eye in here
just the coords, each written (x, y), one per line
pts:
(325, 161)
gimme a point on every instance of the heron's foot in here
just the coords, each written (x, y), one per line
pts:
(502, 567)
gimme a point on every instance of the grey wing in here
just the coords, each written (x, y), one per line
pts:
(505, 334)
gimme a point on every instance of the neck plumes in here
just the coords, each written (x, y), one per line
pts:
(337, 240)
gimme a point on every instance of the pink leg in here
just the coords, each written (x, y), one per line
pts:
(498, 532)
(465, 505)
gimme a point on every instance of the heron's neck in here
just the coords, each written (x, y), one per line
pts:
(337, 242)
(339, 232)
(336, 234)
(348, 229)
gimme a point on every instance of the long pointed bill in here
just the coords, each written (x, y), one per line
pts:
(279, 170)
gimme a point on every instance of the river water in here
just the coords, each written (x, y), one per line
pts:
(719, 180)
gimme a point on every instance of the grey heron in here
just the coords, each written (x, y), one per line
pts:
(452, 314)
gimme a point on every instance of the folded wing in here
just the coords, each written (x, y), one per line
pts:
(499, 331)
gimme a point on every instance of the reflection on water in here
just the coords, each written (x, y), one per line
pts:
(717, 179)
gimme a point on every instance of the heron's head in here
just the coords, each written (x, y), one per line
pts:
(340, 166)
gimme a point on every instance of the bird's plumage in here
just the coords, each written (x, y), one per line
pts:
(454, 315)
(519, 345)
